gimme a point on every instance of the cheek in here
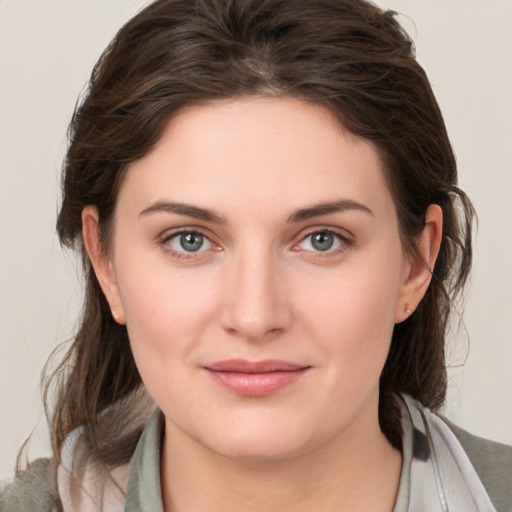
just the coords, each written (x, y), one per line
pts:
(166, 313)
(351, 312)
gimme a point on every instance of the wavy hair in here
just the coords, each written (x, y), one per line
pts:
(348, 56)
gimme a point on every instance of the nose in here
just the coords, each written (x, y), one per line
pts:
(257, 306)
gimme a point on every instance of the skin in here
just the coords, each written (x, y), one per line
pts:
(259, 289)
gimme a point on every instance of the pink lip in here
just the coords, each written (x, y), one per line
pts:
(256, 378)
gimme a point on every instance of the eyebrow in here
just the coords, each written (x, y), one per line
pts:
(184, 209)
(299, 215)
(327, 208)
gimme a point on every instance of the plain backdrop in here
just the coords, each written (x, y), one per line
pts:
(47, 50)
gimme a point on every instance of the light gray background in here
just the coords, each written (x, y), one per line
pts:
(47, 50)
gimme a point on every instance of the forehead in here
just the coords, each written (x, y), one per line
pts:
(257, 152)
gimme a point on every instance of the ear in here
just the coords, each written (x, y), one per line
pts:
(418, 272)
(101, 261)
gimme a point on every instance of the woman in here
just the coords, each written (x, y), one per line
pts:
(266, 203)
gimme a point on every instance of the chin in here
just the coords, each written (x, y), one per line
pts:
(262, 448)
(264, 439)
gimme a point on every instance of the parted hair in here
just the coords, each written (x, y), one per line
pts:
(348, 56)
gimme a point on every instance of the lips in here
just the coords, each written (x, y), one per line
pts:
(255, 378)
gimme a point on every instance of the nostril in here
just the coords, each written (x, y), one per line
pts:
(255, 335)
(255, 307)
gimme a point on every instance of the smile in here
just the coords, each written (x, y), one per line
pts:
(255, 378)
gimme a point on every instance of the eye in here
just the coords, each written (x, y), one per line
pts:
(322, 241)
(188, 242)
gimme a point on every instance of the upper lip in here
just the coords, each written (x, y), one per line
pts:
(244, 366)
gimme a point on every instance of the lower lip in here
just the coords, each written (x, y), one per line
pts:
(256, 384)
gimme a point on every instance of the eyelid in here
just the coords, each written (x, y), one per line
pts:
(339, 232)
(167, 235)
(345, 237)
(172, 232)
(207, 243)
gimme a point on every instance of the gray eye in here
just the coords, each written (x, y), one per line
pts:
(189, 241)
(322, 241)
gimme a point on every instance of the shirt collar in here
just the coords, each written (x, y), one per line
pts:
(144, 491)
(419, 426)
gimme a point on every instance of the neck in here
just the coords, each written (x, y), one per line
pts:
(359, 464)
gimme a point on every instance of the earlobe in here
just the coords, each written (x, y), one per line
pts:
(101, 261)
(419, 269)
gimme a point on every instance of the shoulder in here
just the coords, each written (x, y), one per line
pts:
(34, 489)
(492, 462)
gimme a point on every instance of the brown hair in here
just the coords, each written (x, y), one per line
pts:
(346, 55)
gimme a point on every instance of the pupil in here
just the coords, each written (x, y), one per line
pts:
(322, 241)
(191, 242)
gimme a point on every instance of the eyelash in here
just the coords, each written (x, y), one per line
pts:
(344, 243)
(184, 255)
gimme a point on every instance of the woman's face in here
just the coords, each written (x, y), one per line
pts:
(257, 263)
